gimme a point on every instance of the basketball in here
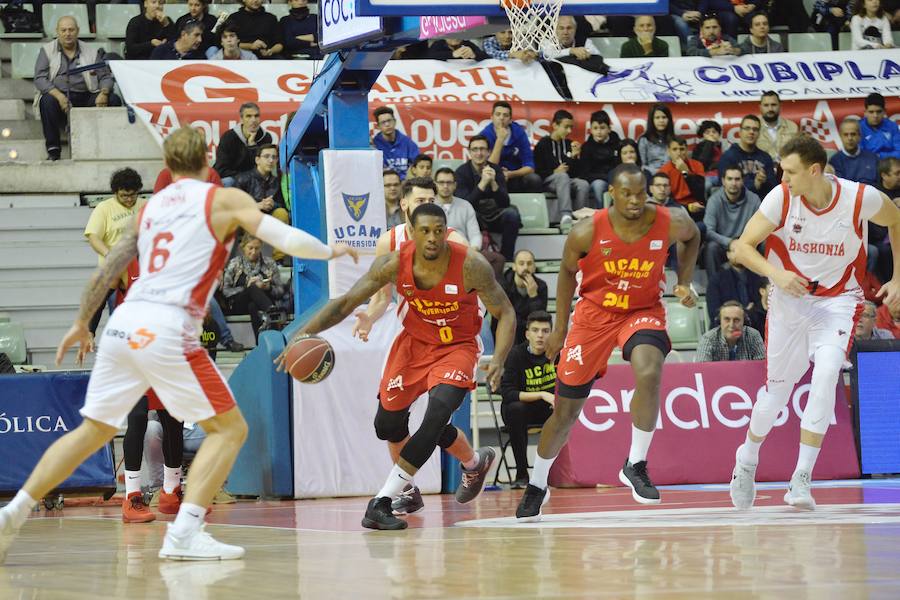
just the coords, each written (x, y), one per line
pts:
(309, 359)
(516, 3)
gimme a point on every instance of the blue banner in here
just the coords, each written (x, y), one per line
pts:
(35, 411)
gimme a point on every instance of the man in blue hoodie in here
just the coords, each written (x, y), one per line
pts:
(854, 162)
(511, 150)
(879, 135)
(399, 150)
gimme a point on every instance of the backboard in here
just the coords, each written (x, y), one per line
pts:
(492, 8)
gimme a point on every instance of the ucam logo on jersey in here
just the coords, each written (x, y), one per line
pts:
(353, 184)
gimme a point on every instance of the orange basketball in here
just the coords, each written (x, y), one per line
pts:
(309, 359)
(515, 3)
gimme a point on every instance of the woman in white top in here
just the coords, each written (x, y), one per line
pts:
(870, 26)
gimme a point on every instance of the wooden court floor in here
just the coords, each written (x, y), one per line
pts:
(591, 544)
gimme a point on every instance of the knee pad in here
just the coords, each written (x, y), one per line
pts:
(391, 426)
(448, 436)
(820, 402)
(771, 402)
(443, 400)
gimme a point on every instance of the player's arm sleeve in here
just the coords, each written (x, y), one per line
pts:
(871, 202)
(772, 205)
(292, 241)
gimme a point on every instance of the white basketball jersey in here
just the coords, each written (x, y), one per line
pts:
(825, 246)
(180, 258)
(398, 236)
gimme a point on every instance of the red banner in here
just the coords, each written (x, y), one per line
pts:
(704, 413)
(443, 129)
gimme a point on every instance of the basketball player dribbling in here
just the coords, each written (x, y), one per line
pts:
(815, 227)
(415, 192)
(182, 238)
(621, 253)
(440, 284)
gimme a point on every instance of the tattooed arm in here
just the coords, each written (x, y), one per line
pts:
(479, 276)
(94, 293)
(684, 232)
(382, 272)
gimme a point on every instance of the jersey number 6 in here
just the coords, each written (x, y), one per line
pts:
(158, 254)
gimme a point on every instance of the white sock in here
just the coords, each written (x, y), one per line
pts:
(132, 482)
(640, 444)
(541, 471)
(806, 460)
(171, 479)
(19, 508)
(748, 453)
(472, 462)
(396, 481)
(188, 520)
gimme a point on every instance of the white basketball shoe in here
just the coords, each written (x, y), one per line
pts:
(798, 494)
(198, 546)
(743, 485)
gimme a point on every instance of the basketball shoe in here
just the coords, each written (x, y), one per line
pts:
(197, 546)
(380, 516)
(170, 503)
(135, 511)
(743, 485)
(408, 502)
(533, 500)
(473, 480)
(635, 476)
(798, 494)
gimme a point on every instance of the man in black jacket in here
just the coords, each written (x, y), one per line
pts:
(526, 292)
(599, 155)
(483, 184)
(555, 160)
(237, 146)
(259, 30)
(529, 378)
(263, 183)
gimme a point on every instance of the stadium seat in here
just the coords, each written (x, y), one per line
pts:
(451, 163)
(533, 209)
(683, 325)
(279, 10)
(616, 358)
(53, 12)
(112, 19)
(809, 42)
(609, 47)
(24, 55)
(674, 43)
(896, 35)
(173, 11)
(845, 41)
(12, 342)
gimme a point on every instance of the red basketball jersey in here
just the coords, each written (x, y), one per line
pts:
(445, 314)
(621, 277)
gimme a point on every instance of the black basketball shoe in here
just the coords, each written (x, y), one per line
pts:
(529, 510)
(380, 516)
(635, 476)
(408, 502)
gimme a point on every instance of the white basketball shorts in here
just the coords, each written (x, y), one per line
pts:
(147, 345)
(797, 327)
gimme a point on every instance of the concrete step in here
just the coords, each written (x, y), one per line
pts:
(47, 357)
(106, 134)
(20, 150)
(75, 176)
(35, 294)
(17, 89)
(71, 236)
(21, 129)
(48, 272)
(24, 217)
(37, 255)
(38, 201)
(12, 110)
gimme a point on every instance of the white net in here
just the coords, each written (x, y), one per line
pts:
(533, 23)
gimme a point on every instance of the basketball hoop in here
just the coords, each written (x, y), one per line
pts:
(533, 23)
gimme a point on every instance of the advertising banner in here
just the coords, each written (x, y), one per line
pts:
(703, 417)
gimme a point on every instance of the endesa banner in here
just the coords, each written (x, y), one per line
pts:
(704, 411)
(440, 104)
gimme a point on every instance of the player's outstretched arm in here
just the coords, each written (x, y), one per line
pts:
(684, 232)
(479, 276)
(382, 272)
(889, 216)
(235, 208)
(95, 292)
(758, 228)
(379, 302)
(578, 243)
